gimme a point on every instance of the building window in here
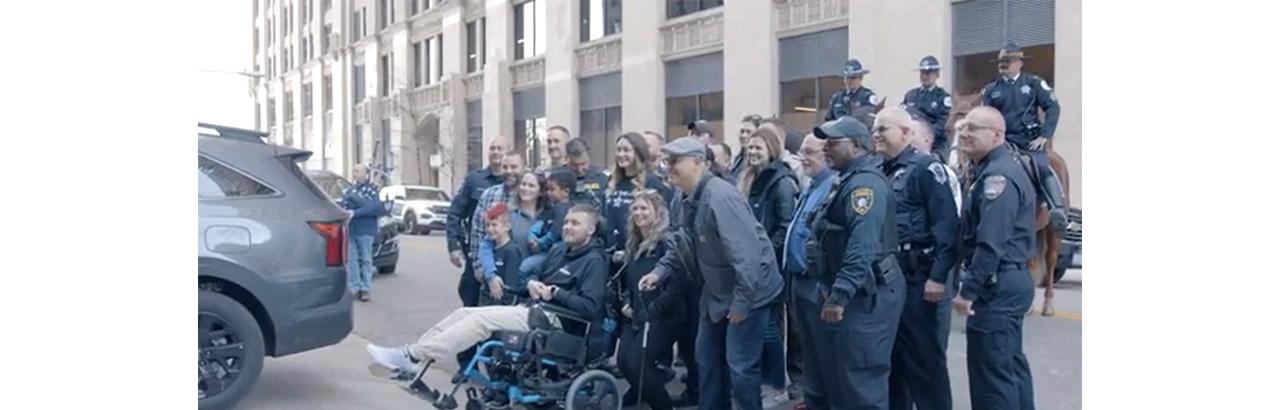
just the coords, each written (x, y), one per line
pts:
(530, 29)
(805, 102)
(677, 8)
(530, 134)
(326, 93)
(413, 8)
(437, 56)
(306, 100)
(600, 128)
(257, 116)
(382, 156)
(383, 12)
(357, 77)
(325, 32)
(255, 40)
(288, 106)
(364, 22)
(384, 75)
(427, 4)
(475, 135)
(683, 110)
(271, 112)
(418, 64)
(288, 56)
(600, 18)
(306, 13)
(255, 8)
(358, 140)
(475, 46)
(325, 5)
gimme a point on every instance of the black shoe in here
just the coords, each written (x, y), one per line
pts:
(363, 295)
(668, 374)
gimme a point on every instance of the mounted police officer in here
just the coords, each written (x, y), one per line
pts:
(850, 297)
(931, 100)
(464, 247)
(927, 227)
(854, 94)
(998, 238)
(1019, 97)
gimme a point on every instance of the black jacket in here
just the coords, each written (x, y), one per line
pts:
(666, 304)
(458, 222)
(617, 209)
(773, 202)
(580, 275)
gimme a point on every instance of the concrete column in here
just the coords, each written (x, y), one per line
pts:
(402, 161)
(644, 94)
(295, 85)
(561, 64)
(498, 115)
(453, 120)
(913, 28)
(1067, 140)
(750, 63)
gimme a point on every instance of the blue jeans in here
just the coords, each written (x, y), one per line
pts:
(729, 361)
(360, 263)
(773, 364)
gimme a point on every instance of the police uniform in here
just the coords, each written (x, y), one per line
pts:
(850, 264)
(1020, 100)
(458, 226)
(845, 101)
(933, 102)
(997, 241)
(927, 225)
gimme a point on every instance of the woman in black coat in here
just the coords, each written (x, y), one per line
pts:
(663, 309)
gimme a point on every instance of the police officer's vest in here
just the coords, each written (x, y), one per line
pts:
(826, 232)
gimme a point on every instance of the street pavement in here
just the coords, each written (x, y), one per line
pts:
(424, 290)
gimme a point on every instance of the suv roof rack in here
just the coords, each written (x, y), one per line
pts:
(233, 132)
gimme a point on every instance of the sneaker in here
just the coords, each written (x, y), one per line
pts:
(395, 358)
(363, 296)
(771, 397)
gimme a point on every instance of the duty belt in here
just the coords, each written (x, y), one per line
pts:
(908, 247)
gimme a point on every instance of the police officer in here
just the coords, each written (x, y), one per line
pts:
(854, 94)
(1019, 97)
(457, 223)
(997, 240)
(927, 226)
(850, 297)
(931, 100)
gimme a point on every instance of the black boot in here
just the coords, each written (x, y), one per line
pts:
(1052, 189)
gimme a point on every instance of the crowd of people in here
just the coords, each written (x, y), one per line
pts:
(822, 263)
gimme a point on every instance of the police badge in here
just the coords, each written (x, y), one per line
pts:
(1026, 89)
(862, 200)
(993, 186)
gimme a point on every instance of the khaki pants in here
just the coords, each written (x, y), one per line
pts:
(465, 327)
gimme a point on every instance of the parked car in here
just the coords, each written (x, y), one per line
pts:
(419, 209)
(271, 261)
(386, 247)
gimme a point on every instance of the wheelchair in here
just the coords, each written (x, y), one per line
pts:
(544, 368)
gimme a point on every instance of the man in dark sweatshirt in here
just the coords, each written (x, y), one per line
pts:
(573, 280)
(722, 246)
(362, 203)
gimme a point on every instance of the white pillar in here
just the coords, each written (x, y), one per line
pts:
(453, 121)
(1067, 140)
(498, 115)
(750, 63)
(644, 94)
(561, 80)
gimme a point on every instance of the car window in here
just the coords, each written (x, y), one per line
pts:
(220, 181)
(437, 196)
(414, 194)
(334, 187)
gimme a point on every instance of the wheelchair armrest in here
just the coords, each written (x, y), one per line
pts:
(563, 313)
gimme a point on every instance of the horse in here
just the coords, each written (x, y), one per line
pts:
(1045, 260)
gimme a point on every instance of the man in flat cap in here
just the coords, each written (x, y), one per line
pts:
(720, 245)
(849, 299)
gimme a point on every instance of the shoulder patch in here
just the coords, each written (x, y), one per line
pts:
(862, 199)
(873, 99)
(939, 174)
(946, 101)
(1045, 85)
(993, 186)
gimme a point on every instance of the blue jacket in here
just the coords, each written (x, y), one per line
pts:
(796, 259)
(362, 200)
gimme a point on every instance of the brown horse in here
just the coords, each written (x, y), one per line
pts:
(1048, 242)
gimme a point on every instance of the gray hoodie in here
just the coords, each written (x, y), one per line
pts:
(730, 253)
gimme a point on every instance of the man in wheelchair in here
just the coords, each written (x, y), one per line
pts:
(572, 282)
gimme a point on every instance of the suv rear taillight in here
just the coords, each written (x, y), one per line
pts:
(335, 241)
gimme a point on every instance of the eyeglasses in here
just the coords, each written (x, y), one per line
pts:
(971, 127)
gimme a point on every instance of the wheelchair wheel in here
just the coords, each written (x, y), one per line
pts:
(594, 390)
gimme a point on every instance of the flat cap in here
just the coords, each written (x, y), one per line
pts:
(845, 128)
(685, 147)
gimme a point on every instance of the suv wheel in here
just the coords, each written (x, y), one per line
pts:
(231, 351)
(410, 223)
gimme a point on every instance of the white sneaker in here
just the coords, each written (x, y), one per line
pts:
(395, 358)
(771, 397)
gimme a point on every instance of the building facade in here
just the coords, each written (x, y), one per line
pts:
(418, 87)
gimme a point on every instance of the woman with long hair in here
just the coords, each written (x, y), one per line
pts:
(630, 174)
(661, 312)
(771, 187)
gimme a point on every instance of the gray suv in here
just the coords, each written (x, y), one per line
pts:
(272, 261)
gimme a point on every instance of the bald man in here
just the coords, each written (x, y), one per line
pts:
(997, 240)
(927, 225)
(923, 142)
(458, 224)
(363, 205)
